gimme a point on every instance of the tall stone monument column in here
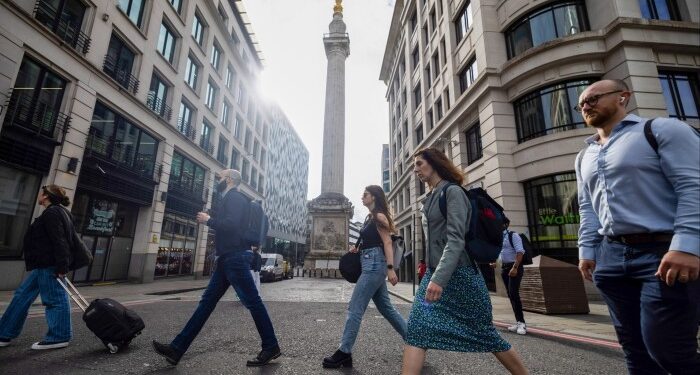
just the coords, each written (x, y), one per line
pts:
(331, 211)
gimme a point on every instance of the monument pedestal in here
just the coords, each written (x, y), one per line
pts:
(330, 215)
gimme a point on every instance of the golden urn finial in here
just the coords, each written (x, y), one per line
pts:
(338, 8)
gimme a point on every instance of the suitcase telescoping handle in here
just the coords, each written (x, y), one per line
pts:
(73, 293)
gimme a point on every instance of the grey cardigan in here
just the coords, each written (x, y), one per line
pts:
(445, 238)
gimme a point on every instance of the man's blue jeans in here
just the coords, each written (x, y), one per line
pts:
(231, 269)
(656, 324)
(370, 285)
(40, 281)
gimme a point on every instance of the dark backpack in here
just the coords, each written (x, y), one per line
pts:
(484, 238)
(527, 257)
(257, 225)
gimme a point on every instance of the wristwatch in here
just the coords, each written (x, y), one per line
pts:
(390, 266)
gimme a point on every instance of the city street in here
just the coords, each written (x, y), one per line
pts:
(308, 316)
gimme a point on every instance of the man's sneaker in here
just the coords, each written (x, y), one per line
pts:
(513, 328)
(264, 357)
(522, 328)
(4, 342)
(43, 345)
(167, 351)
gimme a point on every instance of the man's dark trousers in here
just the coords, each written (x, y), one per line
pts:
(513, 287)
(231, 269)
(656, 324)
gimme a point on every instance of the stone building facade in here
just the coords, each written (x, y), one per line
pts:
(493, 83)
(132, 105)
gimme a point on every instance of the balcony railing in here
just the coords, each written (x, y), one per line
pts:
(68, 32)
(187, 129)
(207, 146)
(142, 167)
(195, 190)
(158, 106)
(35, 117)
(122, 76)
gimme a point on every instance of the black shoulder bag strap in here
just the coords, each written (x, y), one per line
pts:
(649, 134)
(510, 239)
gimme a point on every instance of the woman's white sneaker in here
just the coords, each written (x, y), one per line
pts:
(521, 328)
(43, 345)
(513, 328)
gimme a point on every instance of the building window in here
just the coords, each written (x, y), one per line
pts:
(464, 21)
(438, 109)
(112, 137)
(263, 161)
(468, 75)
(254, 178)
(419, 134)
(186, 176)
(241, 95)
(166, 42)
(215, 56)
(235, 155)
(248, 140)
(177, 4)
(660, 9)
(230, 74)
(553, 215)
(256, 149)
(682, 94)
(198, 29)
(428, 81)
(225, 112)
(222, 13)
(237, 127)
(433, 21)
(133, 10)
(211, 95)
(429, 116)
(245, 167)
(191, 72)
(473, 140)
(158, 96)
(18, 191)
(178, 243)
(549, 110)
(545, 24)
(185, 124)
(436, 64)
(417, 95)
(222, 154)
(205, 139)
(65, 19)
(414, 21)
(415, 58)
(119, 63)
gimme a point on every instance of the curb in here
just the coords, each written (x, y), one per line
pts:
(544, 332)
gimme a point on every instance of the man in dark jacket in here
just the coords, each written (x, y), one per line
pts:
(232, 269)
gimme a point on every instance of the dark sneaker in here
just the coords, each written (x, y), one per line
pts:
(167, 351)
(4, 342)
(338, 359)
(264, 357)
(43, 345)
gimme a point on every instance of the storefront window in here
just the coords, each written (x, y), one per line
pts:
(177, 246)
(553, 215)
(18, 194)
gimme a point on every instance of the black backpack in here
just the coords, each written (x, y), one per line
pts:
(527, 257)
(484, 239)
(257, 225)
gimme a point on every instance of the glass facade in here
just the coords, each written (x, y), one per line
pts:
(178, 241)
(681, 94)
(549, 110)
(18, 195)
(553, 215)
(545, 24)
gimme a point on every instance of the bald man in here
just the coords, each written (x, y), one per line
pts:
(232, 269)
(639, 240)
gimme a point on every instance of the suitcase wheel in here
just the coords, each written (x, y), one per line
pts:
(113, 348)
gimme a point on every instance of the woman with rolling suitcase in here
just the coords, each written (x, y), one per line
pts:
(47, 255)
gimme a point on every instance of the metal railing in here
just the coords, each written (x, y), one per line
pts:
(207, 146)
(68, 32)
(158, 106)
(102, 150)
(122, 76)
(196, 190)
(187, 129)
(34, 116)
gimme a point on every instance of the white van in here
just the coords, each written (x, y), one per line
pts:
(271, 267)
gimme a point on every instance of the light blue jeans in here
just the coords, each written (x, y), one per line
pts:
(40, 281)
(370, 286)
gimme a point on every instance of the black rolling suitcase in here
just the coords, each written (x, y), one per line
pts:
(108, 319)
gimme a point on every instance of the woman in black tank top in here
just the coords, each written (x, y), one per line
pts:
(375, 249)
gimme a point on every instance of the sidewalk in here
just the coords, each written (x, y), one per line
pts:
(592, 328)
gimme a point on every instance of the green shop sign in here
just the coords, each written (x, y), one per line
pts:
(550, 216)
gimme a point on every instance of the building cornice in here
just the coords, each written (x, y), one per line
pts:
(392, 41)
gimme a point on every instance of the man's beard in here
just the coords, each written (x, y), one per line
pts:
(597, 121)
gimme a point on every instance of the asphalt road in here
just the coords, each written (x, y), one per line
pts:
(307, 330)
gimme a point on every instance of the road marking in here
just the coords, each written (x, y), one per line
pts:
(320, 320)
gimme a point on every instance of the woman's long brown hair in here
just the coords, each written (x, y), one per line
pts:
(380, 206)
(442, 165)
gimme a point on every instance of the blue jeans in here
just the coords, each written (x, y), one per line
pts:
(656, 324)
(370, 285)
(231, 269)
(40, 281)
